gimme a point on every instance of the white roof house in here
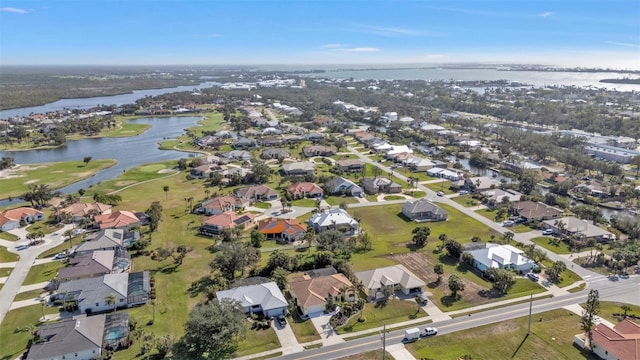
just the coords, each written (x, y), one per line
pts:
(445, 173)
(266, 298)
(397, 149)
(333, 219)
(501, 257)
(375, 280)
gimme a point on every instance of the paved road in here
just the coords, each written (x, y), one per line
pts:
(23, 265)
(608, 291)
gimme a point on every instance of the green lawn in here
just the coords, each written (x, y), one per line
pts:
(395, 311)
(304, 330)
(6, 256)
(8, 236)
(608, 308)
(60, 248)
(262, 205)
(546, 242)
(337, 200)
(369, 355)
(440, 186)
(4, 272)
(304, 203)
(466, 200)
(28, 295)
(415, 194)
(519, 228)
(15, 332)
(393, 197)
(549, 339)
(56, 175)
(568, 278)
(139, 174)
(42, 272)
(257, 341)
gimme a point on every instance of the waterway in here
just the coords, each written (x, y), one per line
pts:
(128, 151)
(86, 103)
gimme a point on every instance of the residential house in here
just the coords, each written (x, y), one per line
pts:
(421, 210)
(501, 257)
(342, 186)
(334, 219)
(317, 150)
(204, 171)
(78, 338)
(363, 136)
(91, 294)
(380, 185)
(256, 193)
(445, 174)
(584, 229)
(216, 224)
(237, 155)
(283, 230)
(313, 136)
(620, 342)
(221, 204)
(351, 165)
(12, 219)
(397, 149)
(497, 196)
(376, 280)
(299, 168)
(107, 239)
(415, 164)
(209, 141)
(265, 299)
(274, 154)
(79, 210)
(305, 189)
(554, 178)
(95, 263)
(243, 143)
(121, 219)
(311, 290)
(536, 211)
(479, 184)
(270, 140)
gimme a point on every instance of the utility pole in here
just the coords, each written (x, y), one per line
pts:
(384, 341)
(530, 308)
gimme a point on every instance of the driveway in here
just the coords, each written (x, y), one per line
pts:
(323, 327)
(287, 339)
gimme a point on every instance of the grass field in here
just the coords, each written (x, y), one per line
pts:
(369, 355)
(56, 175)
(42, 272)
(15, 331)
(337, 200)
(549, 339)
(395, 311)
(304, 203)
(28, 295)
(257, 341)
(8, 236)
(304, 330)
(545, 242)
(5, 272)
(440, 186)
(608, 308)
(6, 256)
(466, 200)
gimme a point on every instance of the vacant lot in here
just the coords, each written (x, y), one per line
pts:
(392, 312)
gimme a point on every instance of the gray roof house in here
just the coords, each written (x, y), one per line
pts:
(262, 298)
(243, 143)
(274, 154)
(377, 279)
(257, 193)
(237, 155)
(299, 168)
(107, 239)
(380, 185)
(91, 293)
(340, 185)
(78, 338)
(423, 210)
(96, 263)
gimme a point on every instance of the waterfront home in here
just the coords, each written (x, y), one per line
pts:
(14, 218)
(122, 219)
(582, 229)
(80, 210)
(265, 299)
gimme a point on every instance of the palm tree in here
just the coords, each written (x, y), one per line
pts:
(43, 302)
(153, 304)
(166, 191)
(112, 300)
(69, 235)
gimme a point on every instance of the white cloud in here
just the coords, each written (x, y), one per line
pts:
(623, 44)
(545, 14)
(13, 10)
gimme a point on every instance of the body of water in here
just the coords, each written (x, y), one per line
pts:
(86, 103)
(128, 151)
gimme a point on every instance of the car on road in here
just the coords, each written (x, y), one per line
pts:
(508, 223)
(59, 256)
(547, 232)
(440, 193)
(282, 321)
(533, 276)
(430, 331)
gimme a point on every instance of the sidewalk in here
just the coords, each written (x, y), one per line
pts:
(398, 351)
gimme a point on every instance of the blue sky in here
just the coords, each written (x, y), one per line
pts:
(562, 32)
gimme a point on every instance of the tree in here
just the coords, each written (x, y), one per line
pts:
(365, 241)
(39, 195)
(212, 331)
(502, 279)
(443, 238)
(234, 257)
(69, 235)
(260, 173)
(333, 240)
(454, 248)
(111, 299)
(439, 270)
(590, 313)
(166, 191)
(86, 160)
(555, 270)
(256, 238)
(636, 162)
(420, 235)
(508, 236)
(155, 215)
(455, 285)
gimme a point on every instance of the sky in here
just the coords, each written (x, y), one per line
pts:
(590, 33)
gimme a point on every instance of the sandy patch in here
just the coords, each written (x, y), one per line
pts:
(31, 181)
(57, 172)
(165, 171)
(125, 183)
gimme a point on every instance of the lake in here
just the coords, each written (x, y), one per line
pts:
(128, 151)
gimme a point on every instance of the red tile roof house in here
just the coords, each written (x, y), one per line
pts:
(216, 224)
(12, 219)
(79, 210)
(221, 204)
(283, 230)
(622, 342)
(305, 189)
(311, 291)
(121, 219)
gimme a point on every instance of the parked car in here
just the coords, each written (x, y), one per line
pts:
(533, 276)
(61, 255)
(463, 192)
(440, 193)
(508, 223)
(430, 331)
(422, 299)
(547, 232)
